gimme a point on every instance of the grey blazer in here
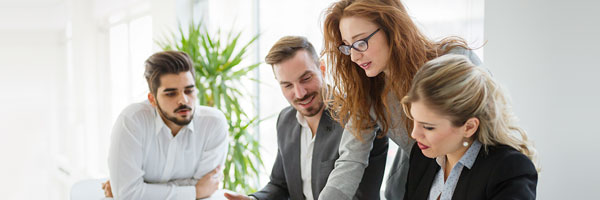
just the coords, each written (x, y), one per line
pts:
(286, 182)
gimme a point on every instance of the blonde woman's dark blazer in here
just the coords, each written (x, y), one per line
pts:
(500, 173)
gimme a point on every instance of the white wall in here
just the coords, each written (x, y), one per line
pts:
(29, 64)
(545, 53)
(31, 58)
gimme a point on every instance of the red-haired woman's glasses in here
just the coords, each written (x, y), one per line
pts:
(360, 45)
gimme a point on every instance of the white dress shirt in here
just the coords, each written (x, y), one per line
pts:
(144, 158)
(307, 142)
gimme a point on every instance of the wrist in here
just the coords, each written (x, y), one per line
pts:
(202, 196)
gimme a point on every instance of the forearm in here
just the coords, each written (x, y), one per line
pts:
(349, 168)
(152, 191)
(184, 182)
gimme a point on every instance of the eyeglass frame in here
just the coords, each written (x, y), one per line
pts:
(350, 47)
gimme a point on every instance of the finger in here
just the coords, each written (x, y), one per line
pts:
(211, 174)
(218, 176)
(229, 196)
(218, 169)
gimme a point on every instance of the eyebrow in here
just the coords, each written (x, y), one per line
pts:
(355, 36)
(287, 82)
(425, 123)
(175, 89)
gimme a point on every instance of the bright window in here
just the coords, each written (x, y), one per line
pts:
(130, 45)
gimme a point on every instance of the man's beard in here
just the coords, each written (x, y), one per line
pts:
(173, 118)
(311, 111)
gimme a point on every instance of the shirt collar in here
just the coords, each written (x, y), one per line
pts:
(301, 119)
(159, 124)
(468, 159)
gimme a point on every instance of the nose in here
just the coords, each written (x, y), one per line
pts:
(355, 55)
(416, 132)
(183, 99)
(300, 91)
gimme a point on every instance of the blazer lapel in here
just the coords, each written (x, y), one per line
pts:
(321, 144)
(461, 192)
(292, 155)
(461, 186)
(426, 181)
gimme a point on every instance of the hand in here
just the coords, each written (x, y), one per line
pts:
(107, 190)
(209, 183)
(231, 196)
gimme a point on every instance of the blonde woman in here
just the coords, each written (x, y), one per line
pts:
(467, 143)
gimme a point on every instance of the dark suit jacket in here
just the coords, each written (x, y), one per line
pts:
(501, 173)
(286, 181)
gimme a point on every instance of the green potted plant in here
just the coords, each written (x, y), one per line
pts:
(218, 77)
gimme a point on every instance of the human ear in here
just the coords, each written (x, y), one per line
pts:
(470, 127)
(151, 99)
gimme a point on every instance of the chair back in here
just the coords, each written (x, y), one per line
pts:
(89, 189)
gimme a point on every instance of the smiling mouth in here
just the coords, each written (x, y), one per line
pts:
(365, 65)
(307, 100)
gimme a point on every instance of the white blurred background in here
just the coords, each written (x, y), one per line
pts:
(68, 67)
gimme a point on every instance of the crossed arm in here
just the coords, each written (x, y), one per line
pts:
(127, 174)
(205, 186)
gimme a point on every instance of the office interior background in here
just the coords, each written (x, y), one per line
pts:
(68, 67)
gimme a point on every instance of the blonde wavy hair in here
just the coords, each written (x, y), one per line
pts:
(454, 87)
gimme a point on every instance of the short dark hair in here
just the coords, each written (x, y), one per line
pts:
(166, 62)
(287, 47)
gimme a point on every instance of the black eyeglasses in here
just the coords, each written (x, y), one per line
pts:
(359, 45)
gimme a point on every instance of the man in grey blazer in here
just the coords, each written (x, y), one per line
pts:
(307, 136)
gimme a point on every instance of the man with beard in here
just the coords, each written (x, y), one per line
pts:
(307, 136)
(167, 147)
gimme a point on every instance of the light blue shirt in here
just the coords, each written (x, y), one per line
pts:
(446, 189)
